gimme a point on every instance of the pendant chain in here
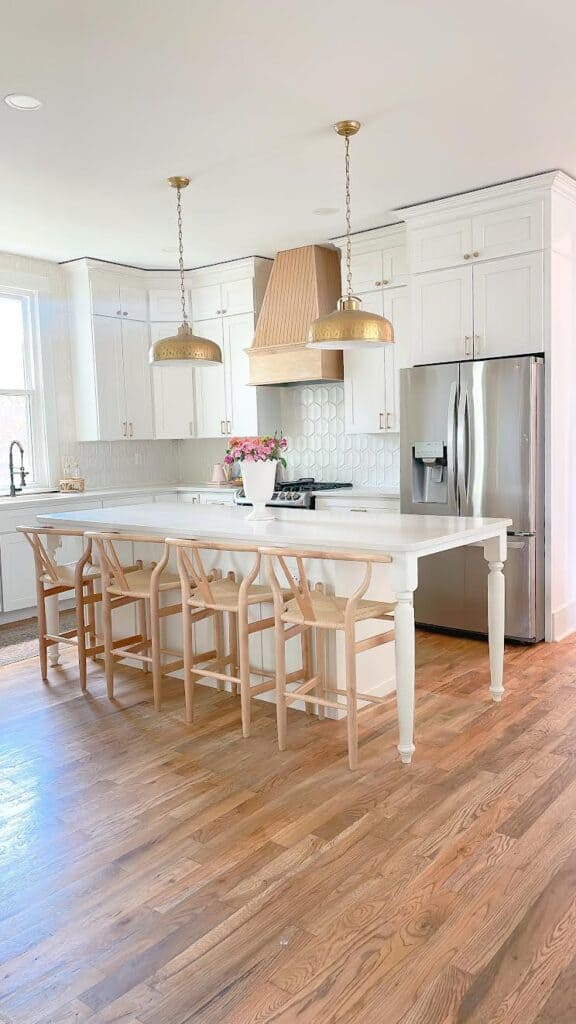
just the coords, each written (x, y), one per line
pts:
(181, 256)
(348, 219)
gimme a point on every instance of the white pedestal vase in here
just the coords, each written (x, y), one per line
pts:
(259, 479)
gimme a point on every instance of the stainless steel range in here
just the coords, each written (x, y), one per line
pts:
(294, 493)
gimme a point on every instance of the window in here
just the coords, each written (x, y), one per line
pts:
(21, 412)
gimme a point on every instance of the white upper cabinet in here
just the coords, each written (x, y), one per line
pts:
(371, 377)
(442, 316)
(238, 297)
(505, 230)
(508, 231)
(494, 308)
(137, 380)
(436, 246)
(122, 382)
(242, 412)
(224, 299)
(508, 306)
(384, 268)
(111, 421)
(166, 306)
(211, 408)
(116, 295)
(173, 389)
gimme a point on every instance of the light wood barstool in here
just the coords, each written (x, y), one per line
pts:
(310, 609)
(141, 584)
(226, 595)
(52, 580)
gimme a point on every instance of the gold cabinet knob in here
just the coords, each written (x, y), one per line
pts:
(475, 254)
(467, 256)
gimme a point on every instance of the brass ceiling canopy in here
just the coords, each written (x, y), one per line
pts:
(184, 348)
(349, 326)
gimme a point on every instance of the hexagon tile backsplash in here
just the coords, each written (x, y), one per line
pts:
(313, 422)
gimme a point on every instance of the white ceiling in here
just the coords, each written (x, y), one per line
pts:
(240, 94)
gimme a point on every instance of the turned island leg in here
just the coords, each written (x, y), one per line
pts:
(495, 554)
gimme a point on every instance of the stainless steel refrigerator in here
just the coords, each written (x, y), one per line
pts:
(472, 444)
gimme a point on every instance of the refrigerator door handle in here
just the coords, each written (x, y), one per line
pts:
(450, 447)
(463, 449)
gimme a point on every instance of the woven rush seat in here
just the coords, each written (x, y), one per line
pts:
(66, 574)
(330, 611)
(138, 582)
(225, 594)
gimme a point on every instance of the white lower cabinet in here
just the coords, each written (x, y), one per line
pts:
(371, 377)
(18, 577)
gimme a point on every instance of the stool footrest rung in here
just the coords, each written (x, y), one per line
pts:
(374, 641)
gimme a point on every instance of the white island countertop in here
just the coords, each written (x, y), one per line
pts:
(407, 538)
(339, 531)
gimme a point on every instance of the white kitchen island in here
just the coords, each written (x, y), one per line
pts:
(406, 538)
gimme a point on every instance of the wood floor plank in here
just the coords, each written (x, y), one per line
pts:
(157, 873)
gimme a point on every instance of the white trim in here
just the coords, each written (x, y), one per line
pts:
(477, 199)
(563, 622)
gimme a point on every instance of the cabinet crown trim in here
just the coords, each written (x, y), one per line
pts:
(480, 200)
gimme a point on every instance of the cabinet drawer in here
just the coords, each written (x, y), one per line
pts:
(440, 245)
(508, 231)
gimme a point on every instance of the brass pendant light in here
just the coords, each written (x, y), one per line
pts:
(184, 348)
(349, 326)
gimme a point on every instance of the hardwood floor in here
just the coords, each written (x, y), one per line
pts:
(157, 873)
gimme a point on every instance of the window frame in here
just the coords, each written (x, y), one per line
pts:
(36, 461)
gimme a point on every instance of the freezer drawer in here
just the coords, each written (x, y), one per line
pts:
(453, 590)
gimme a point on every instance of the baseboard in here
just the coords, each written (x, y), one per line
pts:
(563, 621)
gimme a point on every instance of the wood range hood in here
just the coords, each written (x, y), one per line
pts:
(304, 284)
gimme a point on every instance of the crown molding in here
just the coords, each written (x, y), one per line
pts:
(482, 197)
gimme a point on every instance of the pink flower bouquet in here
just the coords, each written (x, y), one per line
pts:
(256, 449)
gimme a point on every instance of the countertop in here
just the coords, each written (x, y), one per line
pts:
(31, 498)
(382, 531)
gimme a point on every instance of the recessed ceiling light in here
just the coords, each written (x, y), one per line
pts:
(325, 211)
(21, 102)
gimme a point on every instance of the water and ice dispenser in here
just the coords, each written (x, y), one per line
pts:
(429, 473)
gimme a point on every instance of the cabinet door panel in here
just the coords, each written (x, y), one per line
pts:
(206, 302)
(138, 384)
(105, 294)
(394, 266)
(173, 394)
(165, 306)
(174, 402)
(508, 306)
(440, 245)
(238, 296)
(364, 381)
(241, 397)
(505, 232)
(441, 323)
(397, 310)
(109, 378)
(366, 271)
(211, 411)
(18, 576)
(133, 301)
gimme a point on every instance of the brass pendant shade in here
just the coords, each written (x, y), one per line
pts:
(349, 326)
(184, 348)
